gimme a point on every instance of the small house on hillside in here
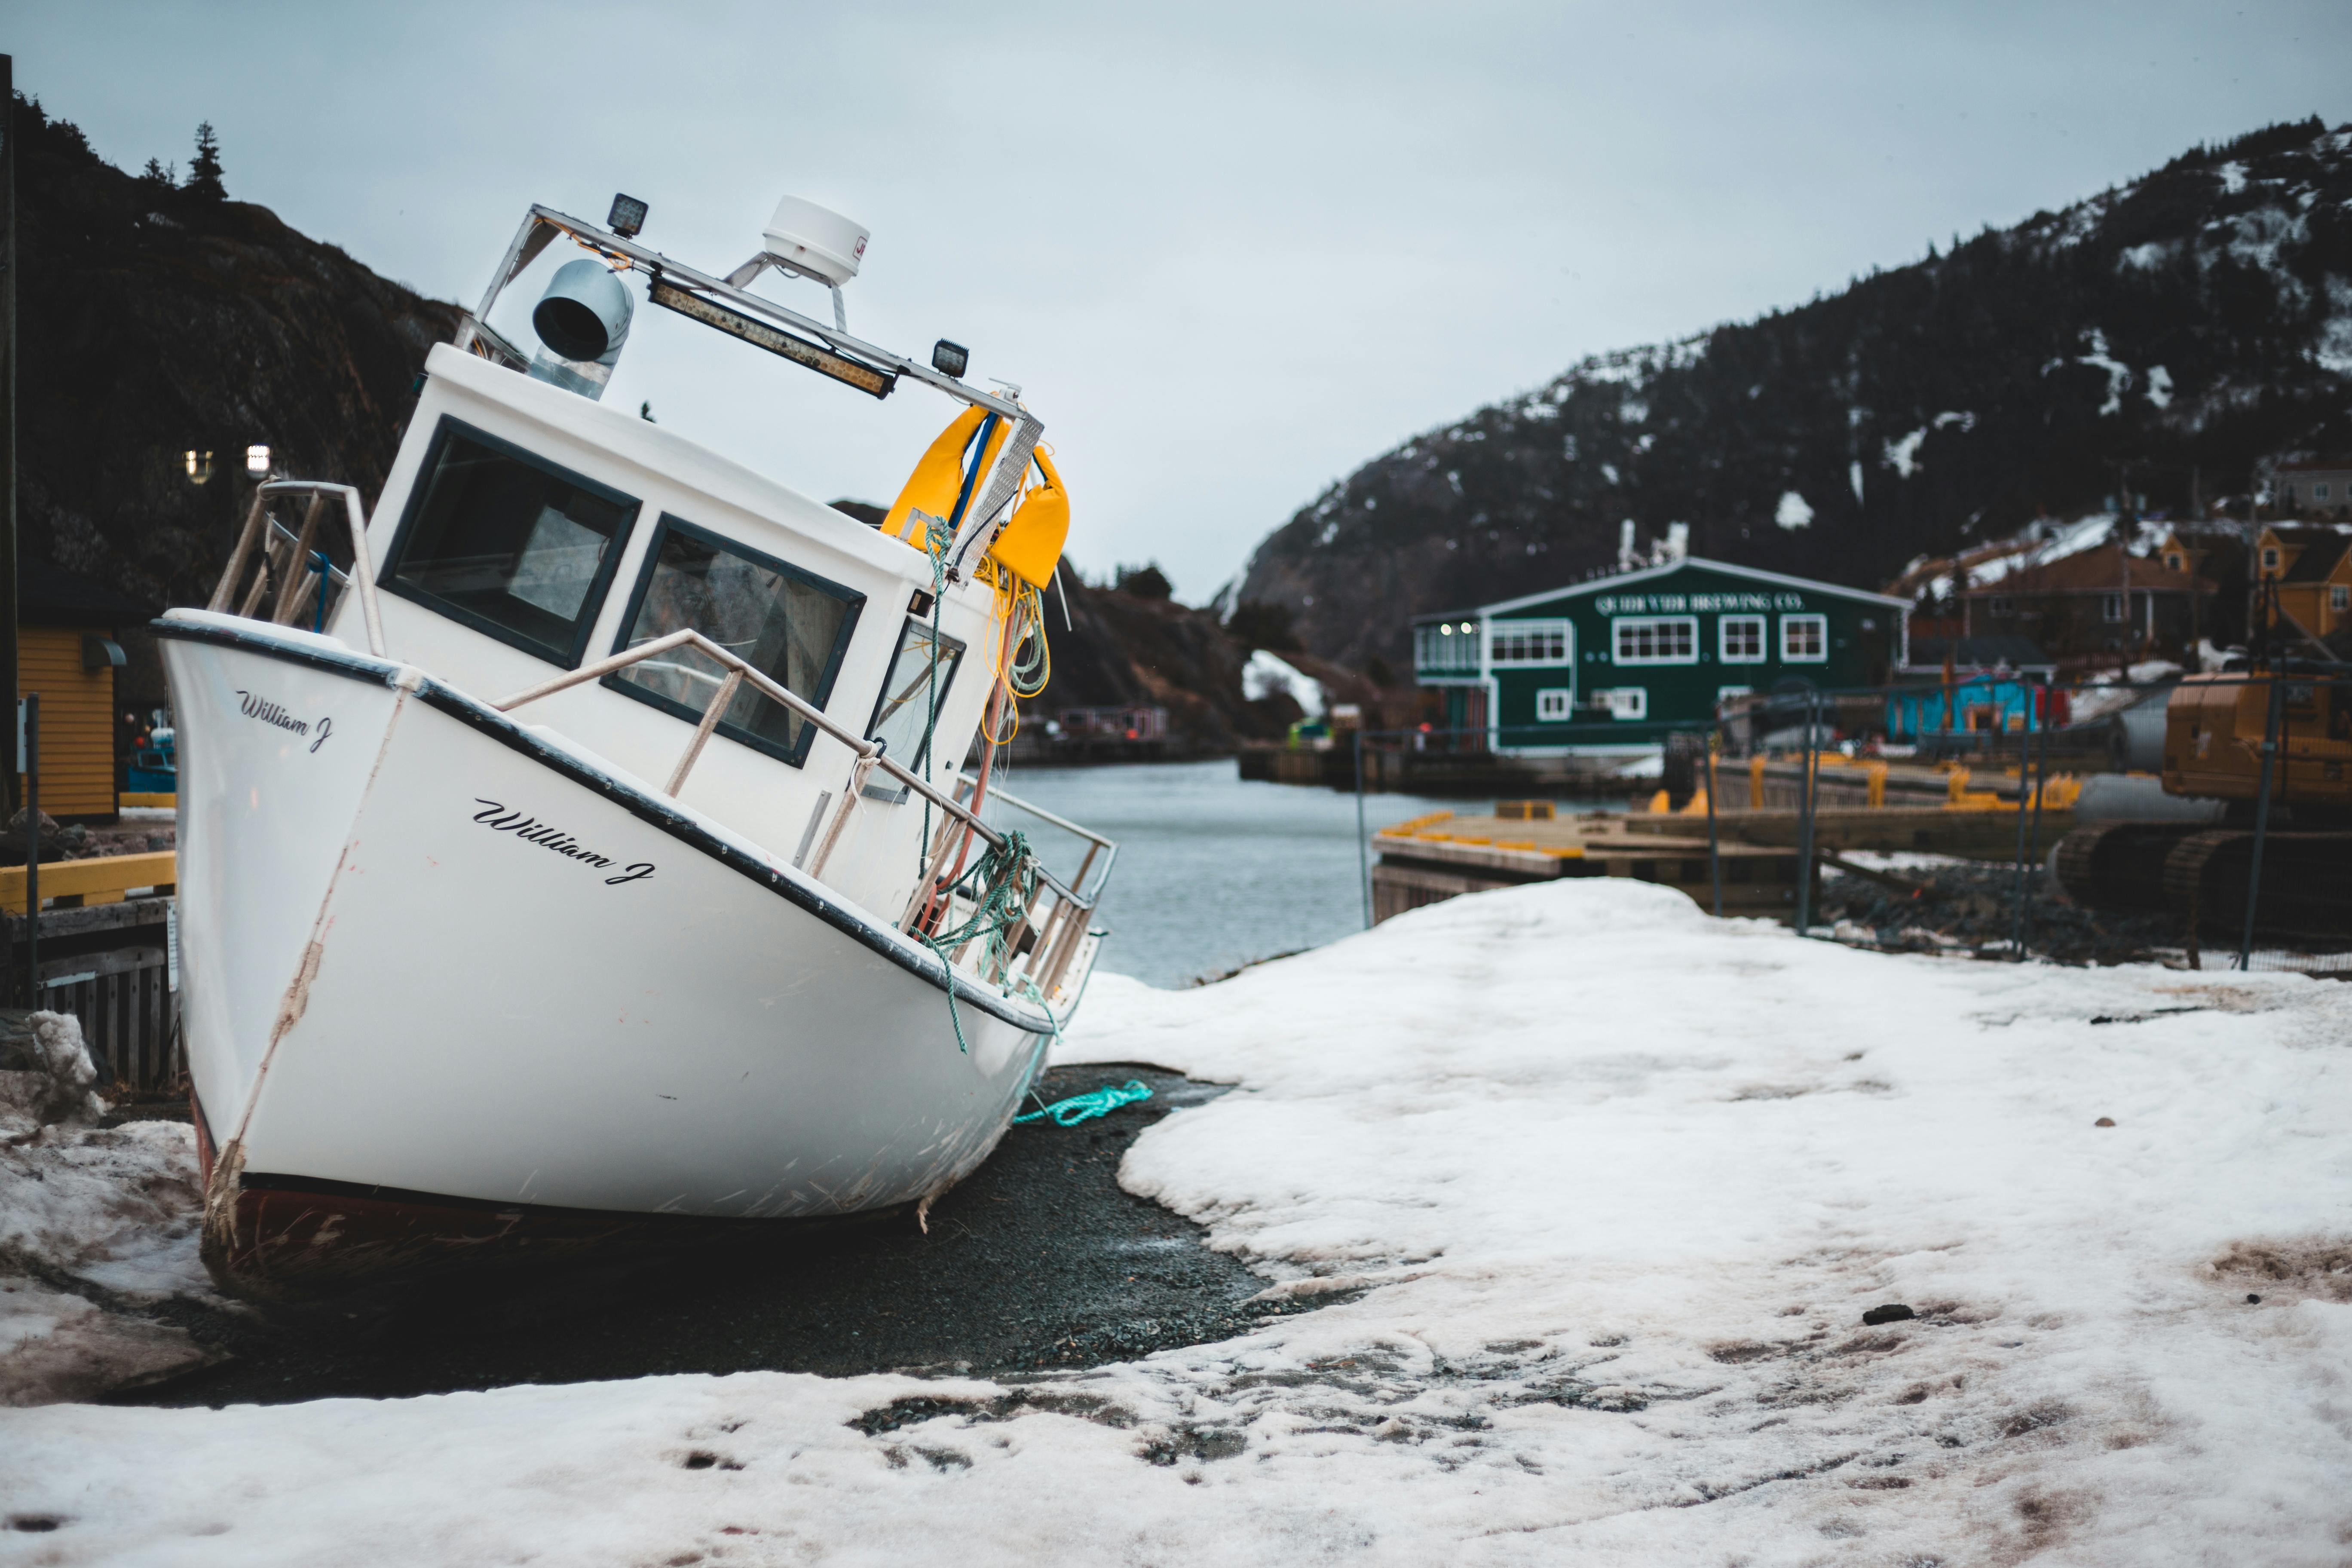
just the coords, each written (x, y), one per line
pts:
(1618, 662)
(2097, 603)
(67, 652)
(2312, 567)
(2321, 490)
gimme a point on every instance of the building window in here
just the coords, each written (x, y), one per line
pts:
(2173, 562)
(1741, 638)
(2319, 492)
(1723, 694)
(2111, 606)
(1625, 701)
(1656, 639)
(1447, 645)
(1554, 704)
(1804, 639)
(2269, 559)
(1527, 643)
(2003, 607)
(2339, 597)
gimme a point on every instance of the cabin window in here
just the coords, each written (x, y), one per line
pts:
(1804, 639)
(2111, 606)
(2270, 559)
(1625, 701)
(792, 625)
(1723, 694)
(1656, 639)
(2003, 607)
(1527, 643)
(1449, 645)
(1555, 705)
(2339, 597)
(902, 717)
(2319, 492)
(2172, 564)
(1742, 639)
(510, 544)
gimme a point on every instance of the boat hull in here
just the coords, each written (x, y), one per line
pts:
(460, 989)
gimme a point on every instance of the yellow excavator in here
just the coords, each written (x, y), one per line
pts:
(2293, 714)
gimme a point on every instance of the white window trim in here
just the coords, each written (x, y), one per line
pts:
(1723, 694)
(1812, 617)
(2339, 597)
(1562, 697)
(1620, 624)
(1567, 630)
(1723, 626)
(1631, 702)
(2112, 608)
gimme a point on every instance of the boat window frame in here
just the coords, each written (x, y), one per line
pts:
(886, 790)
(600, 588)
(854, 600)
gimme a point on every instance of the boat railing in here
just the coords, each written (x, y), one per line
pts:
(1047, 936)
(279, 556)
(1044, 941)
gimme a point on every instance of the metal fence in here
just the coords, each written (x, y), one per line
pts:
(2322, 945)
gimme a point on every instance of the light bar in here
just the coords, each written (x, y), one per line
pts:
(824, 361)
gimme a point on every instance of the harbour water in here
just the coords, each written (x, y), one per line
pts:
(1214, 871)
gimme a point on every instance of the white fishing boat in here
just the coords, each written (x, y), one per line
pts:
(600, 861)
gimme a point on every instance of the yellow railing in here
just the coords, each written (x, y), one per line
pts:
(103, 880)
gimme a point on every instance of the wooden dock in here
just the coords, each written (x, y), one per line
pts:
(1444, 855)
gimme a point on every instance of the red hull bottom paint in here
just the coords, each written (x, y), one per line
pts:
(278, 1238)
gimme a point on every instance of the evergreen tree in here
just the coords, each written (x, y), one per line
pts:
(204, 168)
(163, 176)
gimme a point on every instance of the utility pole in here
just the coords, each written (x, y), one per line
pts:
(9, 762)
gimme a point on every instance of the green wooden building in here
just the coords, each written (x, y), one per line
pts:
(1617, 663)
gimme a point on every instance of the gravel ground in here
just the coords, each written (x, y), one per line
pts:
(1972, 908)
(1039, 1261)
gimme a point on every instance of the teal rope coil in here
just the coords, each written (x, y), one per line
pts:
(1086, 1107)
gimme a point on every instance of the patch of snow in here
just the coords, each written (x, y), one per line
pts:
(2143, 258)
(1854, 476)
(1904, 455)
(2159, 386)
(1264, 675)
(1653, 766)
(1633, 411)
(1608, 472)
(2119, 374)
(1792, 513)
(2234, 177)
(2332, 348)
(1600, 1190)
(2063, 539)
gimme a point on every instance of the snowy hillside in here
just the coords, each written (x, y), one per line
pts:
(2164, 337)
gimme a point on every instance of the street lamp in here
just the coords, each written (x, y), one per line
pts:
(257, 462)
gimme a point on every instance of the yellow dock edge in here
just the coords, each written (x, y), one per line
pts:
(102, 880)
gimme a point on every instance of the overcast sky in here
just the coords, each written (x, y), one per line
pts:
(1228, 252)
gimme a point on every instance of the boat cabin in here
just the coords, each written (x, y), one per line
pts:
(527, 530)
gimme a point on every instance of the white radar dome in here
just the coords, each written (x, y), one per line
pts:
(809, 238)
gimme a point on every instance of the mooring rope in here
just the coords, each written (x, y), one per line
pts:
(1002, 884)
(1085, 1107)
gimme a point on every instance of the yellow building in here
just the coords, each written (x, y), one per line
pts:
(2312, 569)
(67, 652)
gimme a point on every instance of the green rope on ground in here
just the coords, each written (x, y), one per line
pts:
(1001, 885)
(1085, 1107)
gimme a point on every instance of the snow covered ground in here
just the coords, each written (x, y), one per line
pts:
(1598, 1191)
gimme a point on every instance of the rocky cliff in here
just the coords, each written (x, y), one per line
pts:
(2168, 338)
(155, 320)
